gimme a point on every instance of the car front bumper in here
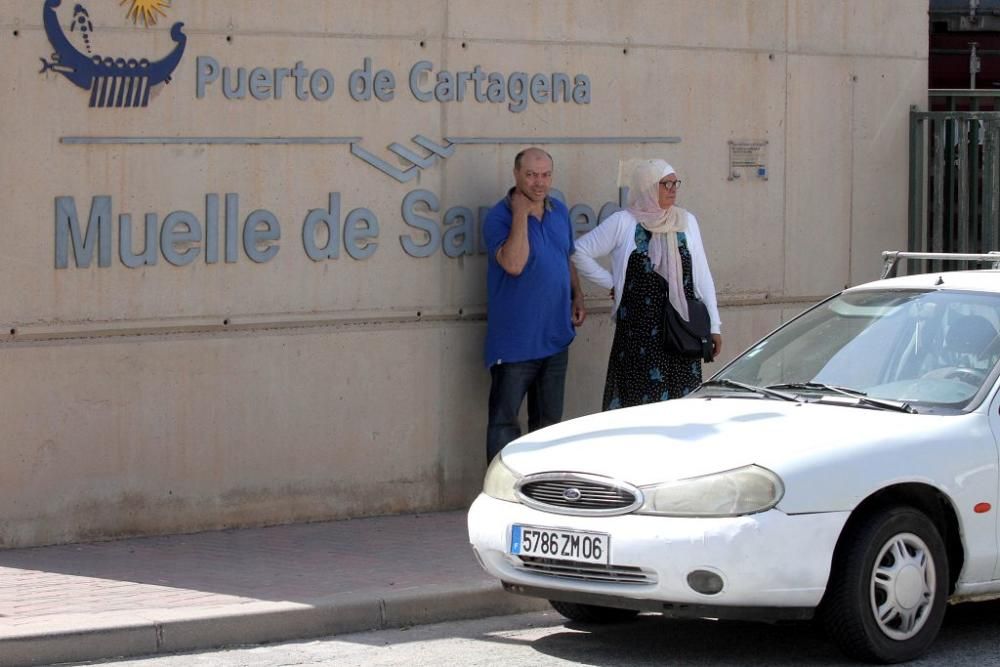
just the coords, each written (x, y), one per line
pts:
(767, 561)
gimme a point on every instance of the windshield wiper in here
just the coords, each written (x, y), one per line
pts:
(863, 398)
(764, 391)
(846, 391)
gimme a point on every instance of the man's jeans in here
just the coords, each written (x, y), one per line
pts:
(543, 380)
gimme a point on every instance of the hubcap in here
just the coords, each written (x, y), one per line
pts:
(902, 586)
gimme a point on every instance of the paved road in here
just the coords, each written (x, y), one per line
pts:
(971, 636)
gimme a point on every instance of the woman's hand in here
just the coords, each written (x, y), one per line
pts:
(716, 345)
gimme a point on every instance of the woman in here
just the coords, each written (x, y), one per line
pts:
(657, 257)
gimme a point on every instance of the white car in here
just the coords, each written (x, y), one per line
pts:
(844, 467)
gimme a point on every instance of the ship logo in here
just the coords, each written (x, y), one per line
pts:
(112, 81)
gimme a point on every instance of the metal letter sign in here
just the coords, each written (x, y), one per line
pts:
(418, 161)
(112, 82)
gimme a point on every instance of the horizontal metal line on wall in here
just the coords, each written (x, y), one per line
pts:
(564, 140)
(233, 141)
(250, 141)
(234, 324)
(35, 333)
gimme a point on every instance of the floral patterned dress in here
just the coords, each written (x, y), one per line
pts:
(639, 370)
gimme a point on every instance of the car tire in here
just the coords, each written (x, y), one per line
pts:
(589, 613)
(888, 588)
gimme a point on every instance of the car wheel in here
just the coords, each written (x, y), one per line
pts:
(589, 613)
(887, 592)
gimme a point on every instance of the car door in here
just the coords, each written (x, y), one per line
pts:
(994, 420)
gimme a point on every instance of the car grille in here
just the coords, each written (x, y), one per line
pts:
(571, 493)
(580, 571)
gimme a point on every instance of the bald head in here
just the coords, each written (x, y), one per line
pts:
(532, 153)
(533, 173)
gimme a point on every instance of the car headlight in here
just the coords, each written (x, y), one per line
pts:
(500, 481)
(731, 493)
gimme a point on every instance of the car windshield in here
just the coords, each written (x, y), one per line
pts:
(926, 348)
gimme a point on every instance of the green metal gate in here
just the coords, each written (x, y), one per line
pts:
(955, 174)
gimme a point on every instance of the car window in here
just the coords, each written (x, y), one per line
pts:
(931, 347)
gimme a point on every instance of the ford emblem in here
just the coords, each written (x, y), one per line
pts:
(572, 495)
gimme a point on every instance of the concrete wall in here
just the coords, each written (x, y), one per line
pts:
(171, 398)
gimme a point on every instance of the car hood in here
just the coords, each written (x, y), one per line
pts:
(697, 436)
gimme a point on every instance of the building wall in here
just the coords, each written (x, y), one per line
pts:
(167, 398)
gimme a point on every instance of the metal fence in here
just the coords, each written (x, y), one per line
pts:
(955, 174)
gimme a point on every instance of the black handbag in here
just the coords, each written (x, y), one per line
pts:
(688, 339)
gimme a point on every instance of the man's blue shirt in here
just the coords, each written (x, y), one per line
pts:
(529, 316)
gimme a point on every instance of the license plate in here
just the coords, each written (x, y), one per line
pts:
(560, 544)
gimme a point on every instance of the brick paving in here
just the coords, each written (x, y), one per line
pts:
(295, 563)
(59, 592)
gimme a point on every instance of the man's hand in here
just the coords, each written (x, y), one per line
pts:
(513, 254)
(520, 204)
(579, 311)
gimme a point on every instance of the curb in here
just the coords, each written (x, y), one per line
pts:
(79, 638)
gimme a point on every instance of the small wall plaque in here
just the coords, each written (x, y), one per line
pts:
(747, 159)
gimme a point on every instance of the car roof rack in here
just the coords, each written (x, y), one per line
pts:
(890, 257)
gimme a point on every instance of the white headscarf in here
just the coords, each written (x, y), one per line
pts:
(643, 203)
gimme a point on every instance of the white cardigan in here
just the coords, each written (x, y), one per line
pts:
(616, 237)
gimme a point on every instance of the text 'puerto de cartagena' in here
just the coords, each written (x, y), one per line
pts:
(426, 83)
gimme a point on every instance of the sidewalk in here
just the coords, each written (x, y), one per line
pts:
(184, 592)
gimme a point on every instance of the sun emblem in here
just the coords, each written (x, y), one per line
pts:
(145, 10)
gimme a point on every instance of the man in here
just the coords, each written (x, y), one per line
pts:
(535, 301)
